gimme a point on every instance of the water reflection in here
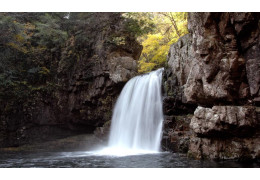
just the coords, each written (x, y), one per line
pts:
(84, 159)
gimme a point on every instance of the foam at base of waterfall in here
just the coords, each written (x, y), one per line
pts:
(118, 151)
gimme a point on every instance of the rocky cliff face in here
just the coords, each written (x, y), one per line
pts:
(216, 69)
(88, 80)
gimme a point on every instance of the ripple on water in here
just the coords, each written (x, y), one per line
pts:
(93, 159)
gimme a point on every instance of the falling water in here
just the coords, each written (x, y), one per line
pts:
(137, 117)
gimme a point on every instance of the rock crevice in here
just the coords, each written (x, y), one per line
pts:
(216, 69)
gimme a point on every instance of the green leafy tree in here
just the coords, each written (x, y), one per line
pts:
(139, 23)
(49, 32)
(26, 41)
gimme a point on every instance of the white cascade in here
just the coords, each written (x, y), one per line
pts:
(138, 117)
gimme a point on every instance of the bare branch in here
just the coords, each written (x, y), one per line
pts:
(170, 16)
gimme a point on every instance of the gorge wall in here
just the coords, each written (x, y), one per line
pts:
(211, 85)
(211, 88)
(87, 79)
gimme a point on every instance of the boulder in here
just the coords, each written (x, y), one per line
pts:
(121, 69)
(224, 121)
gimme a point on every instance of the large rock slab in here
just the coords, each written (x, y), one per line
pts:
(224, 120)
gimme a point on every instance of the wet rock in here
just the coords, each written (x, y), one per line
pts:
(176, 133)
(103, 132)
(223, 149)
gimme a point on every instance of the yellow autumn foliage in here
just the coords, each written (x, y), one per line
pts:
(169, 27)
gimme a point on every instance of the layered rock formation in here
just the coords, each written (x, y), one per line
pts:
(216, 66)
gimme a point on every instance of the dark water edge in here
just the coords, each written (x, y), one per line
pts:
(84, 159)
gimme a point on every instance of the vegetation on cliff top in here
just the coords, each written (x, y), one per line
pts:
(164, 29)
(32, 44)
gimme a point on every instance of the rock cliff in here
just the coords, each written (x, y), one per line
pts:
(216, 69)
(88, 77)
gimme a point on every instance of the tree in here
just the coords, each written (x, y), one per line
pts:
(169, 27)
(49, 32)
(139, 23)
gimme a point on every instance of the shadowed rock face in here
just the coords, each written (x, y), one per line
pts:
(230, 148)
(88, 79)
(217, 66)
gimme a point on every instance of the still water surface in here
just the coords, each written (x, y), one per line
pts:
(83, 159)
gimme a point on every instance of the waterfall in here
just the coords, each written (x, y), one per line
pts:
(137, 118)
